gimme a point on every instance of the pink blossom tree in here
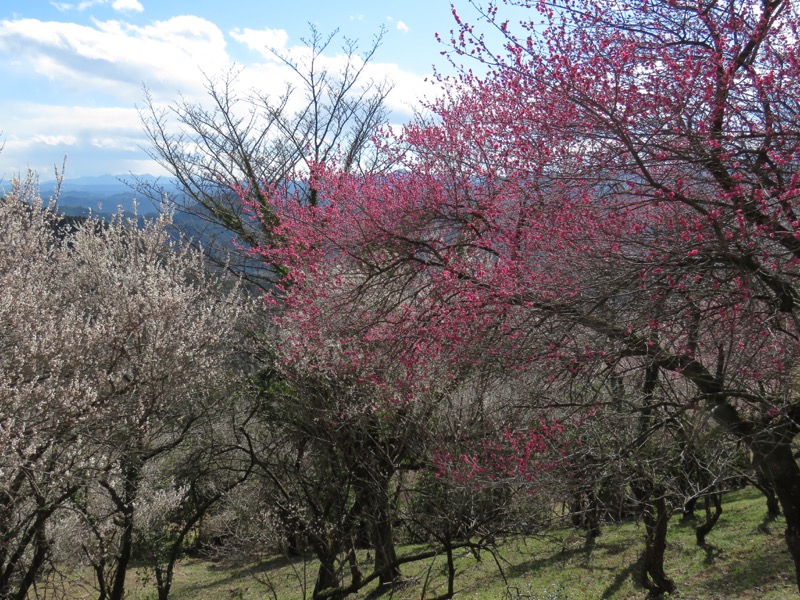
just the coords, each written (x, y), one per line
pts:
(621, 184)
(671, 134)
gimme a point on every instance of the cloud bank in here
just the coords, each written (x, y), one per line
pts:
(94, 73)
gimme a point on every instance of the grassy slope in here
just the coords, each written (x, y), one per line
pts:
(745, 558)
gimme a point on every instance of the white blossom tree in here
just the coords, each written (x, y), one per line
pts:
(116, 344)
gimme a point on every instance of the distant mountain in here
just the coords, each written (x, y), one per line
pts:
(104, 194)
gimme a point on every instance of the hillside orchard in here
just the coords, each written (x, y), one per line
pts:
(567, 292)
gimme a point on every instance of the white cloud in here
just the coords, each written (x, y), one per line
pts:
(40, 135)
(400, 26)
(127, 5)
(105, 63)
(115, 56)
(262, 40)
(66, 6)
(408, 88)
(126, 144)
(55, 140)
(70, 121)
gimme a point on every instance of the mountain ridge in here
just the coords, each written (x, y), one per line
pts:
(105, 194)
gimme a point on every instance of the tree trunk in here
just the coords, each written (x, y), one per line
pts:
(764, 485)
(656, 517)
(383, 540)
(356, 576)
(39, 555)
(687, 513)
(375, 498)
(131, 473)
(327, 576)
(164, 581)
(576, 509)
(451, 572)
(773, 506)
(99, 569)
(777, 463)
(702, 530)
(593, 514)
(123, 557)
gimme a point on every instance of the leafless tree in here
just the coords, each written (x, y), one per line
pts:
(255, 143)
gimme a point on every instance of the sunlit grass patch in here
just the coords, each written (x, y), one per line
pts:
(745, 557)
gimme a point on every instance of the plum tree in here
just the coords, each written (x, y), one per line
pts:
(620, 184)
(116, 347)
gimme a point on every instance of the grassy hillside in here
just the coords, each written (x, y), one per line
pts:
(745, 558)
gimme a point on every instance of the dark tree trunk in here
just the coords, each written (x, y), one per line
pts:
(593, 515)
(363, 533)
(383, 540)
(586, 511)
(99, 569)
(374, 500)
(164, 581)
(13, 550)
(35, 535)
(451, 572)
(356, 576)
(656, 517)
(327, 576)
(295, 539)
(687, 514)
(773, 506)
(576, 509)
(764, 485)
(775, 460)
(654, 507)
(702, 530)
(771, 453)
(294, 544)
(123, 557)
(41, 549)
(131, 473)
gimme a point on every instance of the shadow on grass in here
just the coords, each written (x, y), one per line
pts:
(621, 577)
(614, 548)
(237, 573)
(582, 554)
(558, 559)
(689, 522)
(744, 574)
(712, 553)
(384, 590)
(577, 552)
(764, 526)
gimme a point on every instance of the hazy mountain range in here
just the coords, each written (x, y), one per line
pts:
(105, 194)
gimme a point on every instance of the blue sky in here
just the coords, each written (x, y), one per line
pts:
(72, 71)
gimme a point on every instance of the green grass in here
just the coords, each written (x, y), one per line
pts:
(746, 558)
